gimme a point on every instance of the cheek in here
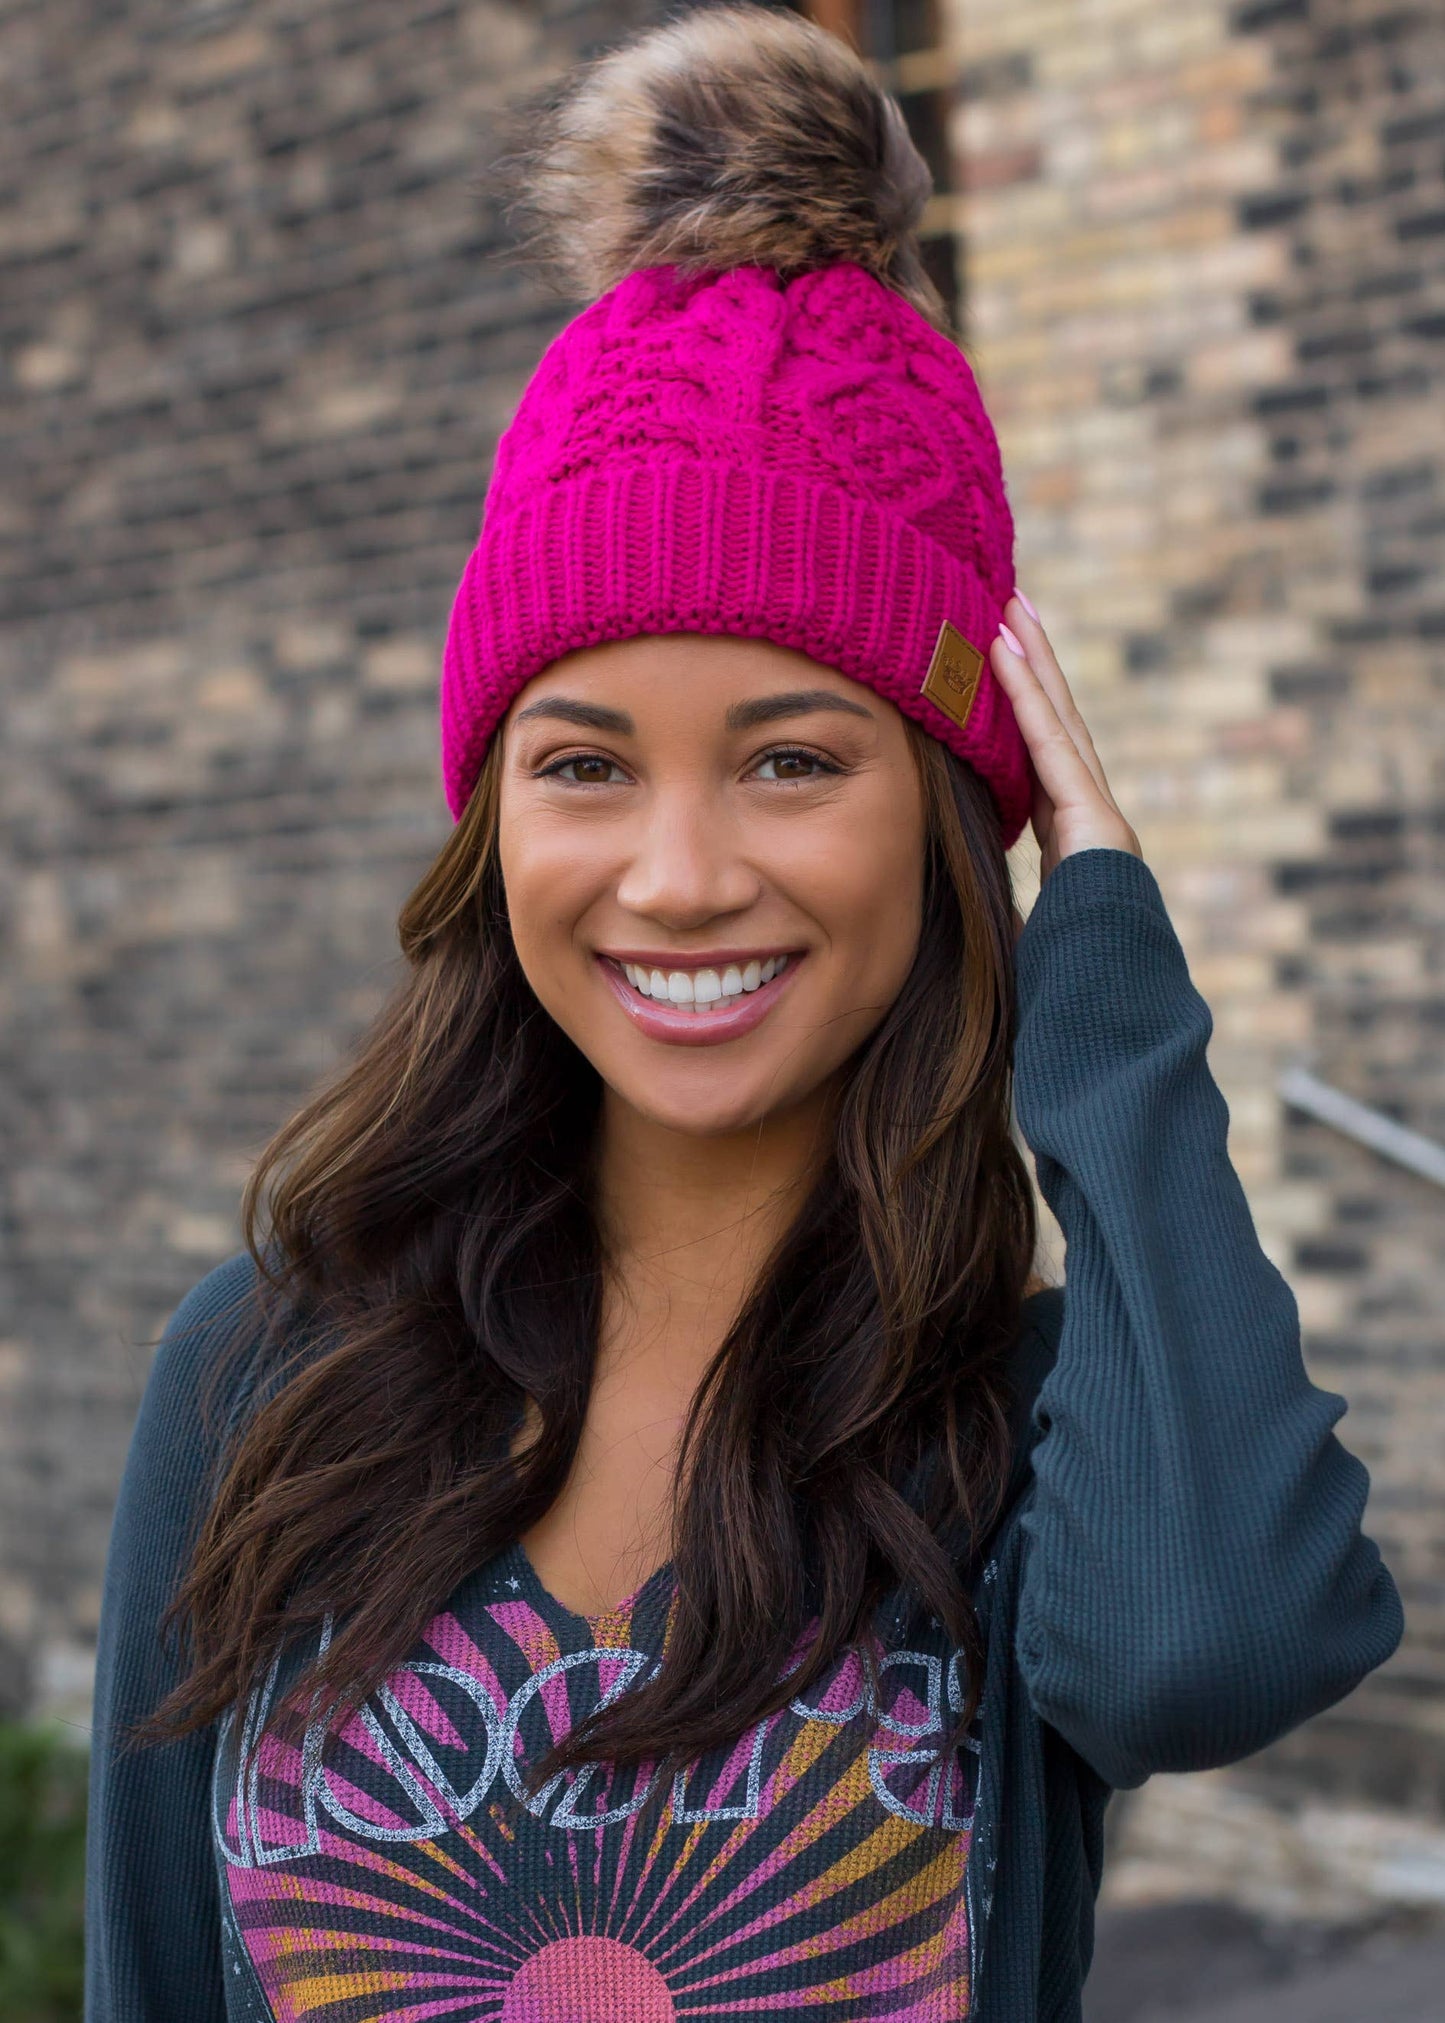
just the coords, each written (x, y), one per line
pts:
(549, 883)
(890, 925)
(867, 895)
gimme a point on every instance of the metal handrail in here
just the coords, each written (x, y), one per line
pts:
(1304, 1091)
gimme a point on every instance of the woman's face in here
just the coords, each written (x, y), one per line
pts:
(713, 857)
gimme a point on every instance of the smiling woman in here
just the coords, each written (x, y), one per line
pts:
(631, 1537)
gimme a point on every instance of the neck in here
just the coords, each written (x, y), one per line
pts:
(688, 1222)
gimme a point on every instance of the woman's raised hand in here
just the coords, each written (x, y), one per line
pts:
(1073, 807)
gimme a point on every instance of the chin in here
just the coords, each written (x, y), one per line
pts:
(699, 1094)
(712, 1113)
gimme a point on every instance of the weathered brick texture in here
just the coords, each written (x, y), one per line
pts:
(258, 345)
(1357, 477)
(1203, 251)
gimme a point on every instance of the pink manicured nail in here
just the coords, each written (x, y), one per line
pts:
(1027, 605)
(1011, 640)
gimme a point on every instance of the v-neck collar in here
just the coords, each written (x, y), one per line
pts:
(532, 1584)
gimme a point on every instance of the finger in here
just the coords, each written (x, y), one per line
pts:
(1040, 653)
(1044, 661)
(1062, 768)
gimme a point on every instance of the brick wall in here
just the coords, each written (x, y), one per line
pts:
(257, 350)
(1203, 254)
(1357, 453)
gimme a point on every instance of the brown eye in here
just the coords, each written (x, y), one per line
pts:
(590, 770)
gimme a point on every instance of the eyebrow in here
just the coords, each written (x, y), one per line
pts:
(589, 716)
(766, 709)
(743, 716)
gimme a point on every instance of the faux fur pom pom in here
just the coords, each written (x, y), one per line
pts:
(734, 136)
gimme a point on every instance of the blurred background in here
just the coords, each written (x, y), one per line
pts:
(259, 333)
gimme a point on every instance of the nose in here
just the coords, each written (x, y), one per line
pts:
(686, 866)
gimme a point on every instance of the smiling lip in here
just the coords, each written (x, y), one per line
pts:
(683, 1027)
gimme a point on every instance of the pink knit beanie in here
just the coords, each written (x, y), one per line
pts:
(719, 444)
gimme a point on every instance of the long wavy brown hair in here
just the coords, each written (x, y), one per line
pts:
(431, 1260)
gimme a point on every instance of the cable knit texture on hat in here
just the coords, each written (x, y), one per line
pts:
(805, 460)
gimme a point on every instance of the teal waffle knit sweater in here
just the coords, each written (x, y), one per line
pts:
(1179, 1577)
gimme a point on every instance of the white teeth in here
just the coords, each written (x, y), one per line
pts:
(702, 990)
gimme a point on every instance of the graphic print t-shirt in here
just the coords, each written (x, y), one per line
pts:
(399, 1869)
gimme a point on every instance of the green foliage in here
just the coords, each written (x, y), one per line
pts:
(42, 1867)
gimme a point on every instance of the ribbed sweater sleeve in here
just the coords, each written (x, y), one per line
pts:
(1195, 1580)
(153, 1951)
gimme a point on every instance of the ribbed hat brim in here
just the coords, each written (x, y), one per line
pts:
(713, 546)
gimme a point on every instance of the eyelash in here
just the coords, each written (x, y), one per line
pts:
(799, 752)
(555, 770)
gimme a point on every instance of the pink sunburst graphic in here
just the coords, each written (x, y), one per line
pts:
(587, 1980)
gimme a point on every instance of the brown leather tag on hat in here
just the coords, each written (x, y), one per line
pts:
(953, 674)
